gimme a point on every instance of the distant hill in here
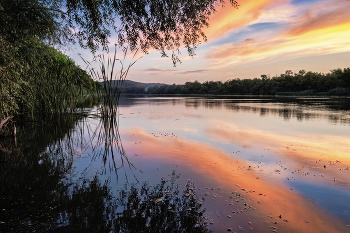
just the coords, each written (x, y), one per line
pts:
(128, 84)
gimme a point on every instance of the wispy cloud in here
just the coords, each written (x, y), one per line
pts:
(192, 71)
(323, 29)
(228, 18)
(158, 70)
(322, 16)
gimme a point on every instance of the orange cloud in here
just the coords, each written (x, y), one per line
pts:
(228, 18)
(244, 48)
(323, 16)
(321, 30)
(328, 40)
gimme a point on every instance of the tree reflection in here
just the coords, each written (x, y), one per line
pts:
(33, 173)
(160, 209)
(39, 192)
(91, 208)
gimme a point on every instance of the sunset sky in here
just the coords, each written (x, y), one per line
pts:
(260, 37)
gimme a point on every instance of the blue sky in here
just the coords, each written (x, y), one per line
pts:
(260, 37)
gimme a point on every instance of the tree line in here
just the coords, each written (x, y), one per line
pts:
(336, 82)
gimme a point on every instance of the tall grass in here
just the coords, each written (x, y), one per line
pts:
(107, 132)
(40, 80)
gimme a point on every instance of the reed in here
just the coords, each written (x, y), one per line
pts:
(109, 143)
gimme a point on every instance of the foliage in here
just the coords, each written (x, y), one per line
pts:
(337, 82)
(38, 78)
(152, 24)
(35, 76)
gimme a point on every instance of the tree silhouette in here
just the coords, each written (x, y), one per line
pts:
(163, 25)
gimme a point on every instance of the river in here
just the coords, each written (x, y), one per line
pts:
(258, 164)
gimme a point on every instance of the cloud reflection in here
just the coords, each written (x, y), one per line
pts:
(210, 162)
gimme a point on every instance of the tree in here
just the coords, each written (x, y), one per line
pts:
(164, 25)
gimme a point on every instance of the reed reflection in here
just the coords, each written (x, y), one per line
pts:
(106, 142)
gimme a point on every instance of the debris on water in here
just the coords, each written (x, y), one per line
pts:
(229, 216)
(306, 221)
(280, 216)
(159, 200)
(229, 229)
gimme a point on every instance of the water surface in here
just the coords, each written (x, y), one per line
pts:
(258, 164)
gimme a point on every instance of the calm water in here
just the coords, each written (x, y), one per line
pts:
(258, 165)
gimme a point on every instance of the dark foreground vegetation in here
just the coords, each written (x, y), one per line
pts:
(39, 194)
(336, 83)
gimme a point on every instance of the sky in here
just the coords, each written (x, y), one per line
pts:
(260, 37)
